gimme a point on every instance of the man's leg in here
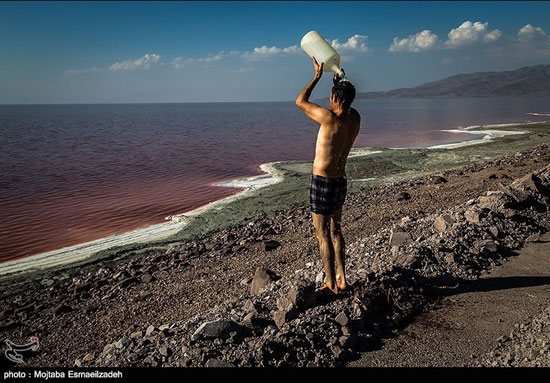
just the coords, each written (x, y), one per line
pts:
(322, 231)
(339, 248)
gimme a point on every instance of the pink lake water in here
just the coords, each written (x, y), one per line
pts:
(74, 173)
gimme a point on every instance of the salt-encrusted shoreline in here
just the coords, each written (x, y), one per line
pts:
(177, 222)
(150, 233)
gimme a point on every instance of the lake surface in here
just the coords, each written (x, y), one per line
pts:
(74, 173)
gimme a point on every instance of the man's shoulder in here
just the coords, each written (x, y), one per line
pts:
(355, 112)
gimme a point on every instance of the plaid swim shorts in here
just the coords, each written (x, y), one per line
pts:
(327, 194)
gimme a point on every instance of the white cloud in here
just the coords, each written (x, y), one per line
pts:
(265, 52)
(528, 32)
(354, 43)
(142, 63)
(494, 35)
(468, 33)
(421, 41)
(179, 62)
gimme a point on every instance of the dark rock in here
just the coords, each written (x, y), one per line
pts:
(529, 182)
(218, 329)
(62, 308)
(262, 278)
(488, 246)
(299, 297)
(403, 196)
(399, 237)
(443, 223)
(407, 260)
(271, 245)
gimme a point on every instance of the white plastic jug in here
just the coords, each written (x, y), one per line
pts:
(315, 45)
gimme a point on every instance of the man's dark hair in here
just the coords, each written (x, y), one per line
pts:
(344, 92)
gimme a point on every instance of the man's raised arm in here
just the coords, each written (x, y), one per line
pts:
(313, 111)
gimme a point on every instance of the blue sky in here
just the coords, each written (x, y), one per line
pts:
(102, 52)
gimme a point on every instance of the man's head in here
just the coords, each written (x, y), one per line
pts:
(342, 95)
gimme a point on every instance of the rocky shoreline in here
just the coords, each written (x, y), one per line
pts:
(399, 266)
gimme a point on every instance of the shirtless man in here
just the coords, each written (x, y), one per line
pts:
(339, 127)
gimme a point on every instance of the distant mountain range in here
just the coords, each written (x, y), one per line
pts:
(526, 81)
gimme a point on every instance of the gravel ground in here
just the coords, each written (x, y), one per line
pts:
(77, 319)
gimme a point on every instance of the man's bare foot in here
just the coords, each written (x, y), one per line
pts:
(341, 282)
(329, 290)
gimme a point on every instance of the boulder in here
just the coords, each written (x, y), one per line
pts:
(299, 298)
(529, 182)
(443, 223)
(495, 201)
(262, 278)
(218, 329)
(407, 261)
(472, 216)
(517, 195)
(399, 237)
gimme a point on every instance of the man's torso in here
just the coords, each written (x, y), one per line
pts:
(334, 142)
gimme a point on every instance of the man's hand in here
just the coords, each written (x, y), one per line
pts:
(318, 69)
(336, 79)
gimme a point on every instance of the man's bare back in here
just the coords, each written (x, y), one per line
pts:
(334, 141)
